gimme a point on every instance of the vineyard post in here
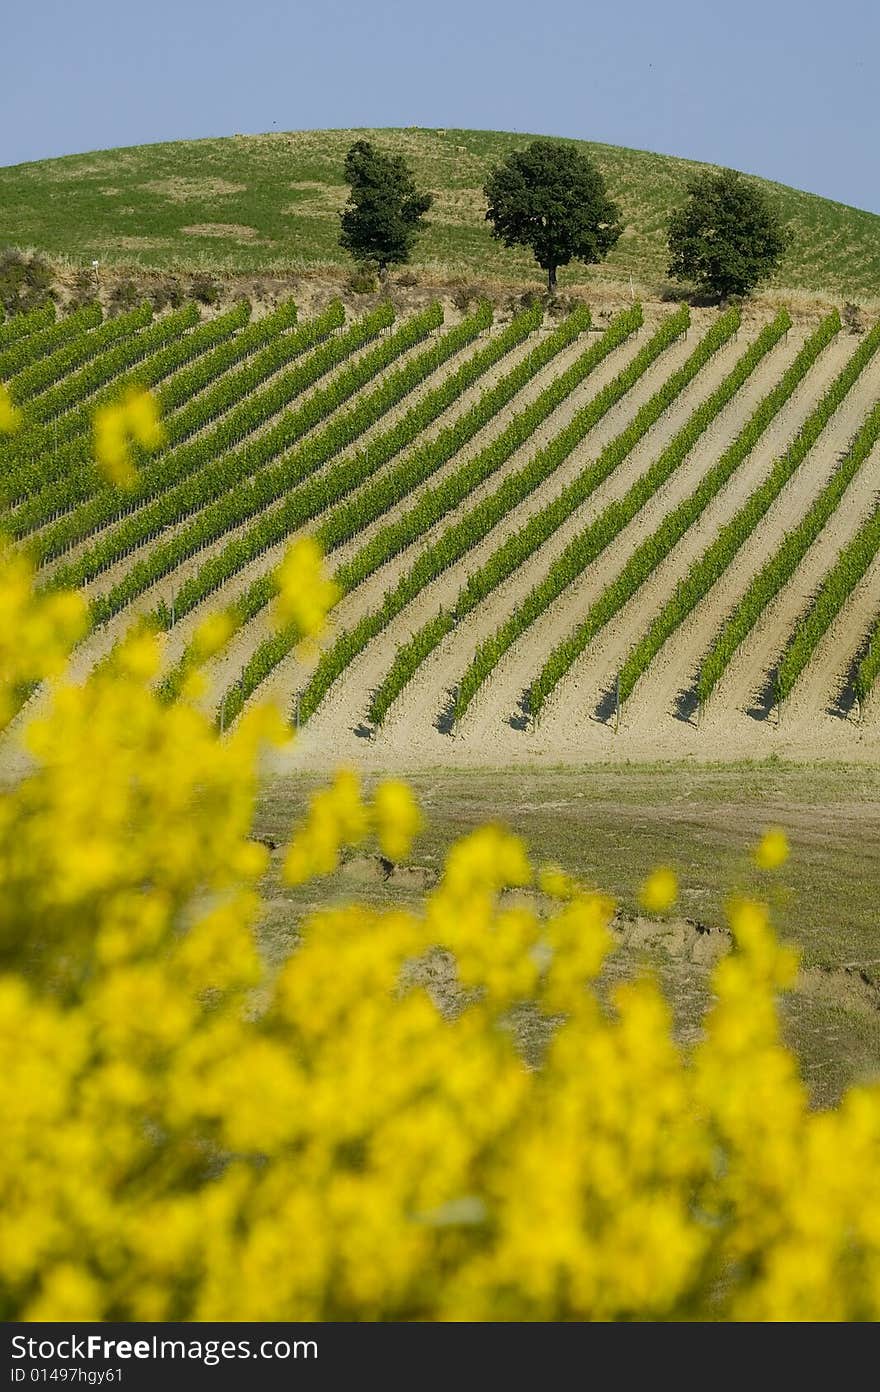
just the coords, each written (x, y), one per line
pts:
(617, 702)
(296, 715)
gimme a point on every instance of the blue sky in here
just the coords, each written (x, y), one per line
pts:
(781, 88)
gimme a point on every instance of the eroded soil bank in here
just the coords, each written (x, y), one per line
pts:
(611, 825)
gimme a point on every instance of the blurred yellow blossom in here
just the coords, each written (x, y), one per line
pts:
(305, 593)
(772, 850)
(341, 816)
(37, 631)
(213, 633)
(190, 1134)
(659, 891)
(134, 419)
(10, 415)
(397, 817)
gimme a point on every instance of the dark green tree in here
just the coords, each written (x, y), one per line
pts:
(383, 216)
(726, 238)
(551, 197)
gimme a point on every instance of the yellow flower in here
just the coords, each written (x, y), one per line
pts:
(398, 818)
(10, 415)
(554, 882)
(659, 891)
(212, 634)
(110, 445)
(305, 593)
(365, 1129)
(337, 817)
(142, 418)
(772, 850)
(133, 419)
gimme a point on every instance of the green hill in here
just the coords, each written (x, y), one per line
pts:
(269, 202)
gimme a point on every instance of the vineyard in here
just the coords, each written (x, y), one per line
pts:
(650, 532)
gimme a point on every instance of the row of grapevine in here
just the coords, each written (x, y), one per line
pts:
(480, 520)
(513, 491)
(207, 390)
(415, 468)
(235, 395)
(659, 545)
(20, 325)
(438, 501)
(185, 386)
(182, 480)
(40, 376)
(719, 555)
(583, 549)
(322, 491)
(434, 503)
(28, 471)
(238, 490)
(838, 584)
(782, 565)
(35, 346)
(193, 377)
(169, 361)
(329, 493)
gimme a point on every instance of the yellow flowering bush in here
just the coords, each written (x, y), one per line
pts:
(305, 592)
(660, 890)
(10, 415)
(190, 1136)
(134, 419)
(772, 850)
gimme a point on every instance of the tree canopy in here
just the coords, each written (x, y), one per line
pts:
(726, 238)
(383, 216)
(551, 197)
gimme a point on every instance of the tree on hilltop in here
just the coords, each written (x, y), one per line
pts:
(551, 197)
(726, 238)
(383, 216)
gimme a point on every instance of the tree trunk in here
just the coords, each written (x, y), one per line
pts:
(551, 279)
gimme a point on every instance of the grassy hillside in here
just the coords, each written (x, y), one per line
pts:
(582, 539)
(270, 202)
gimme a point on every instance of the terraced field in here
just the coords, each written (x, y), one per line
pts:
(650, 534)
